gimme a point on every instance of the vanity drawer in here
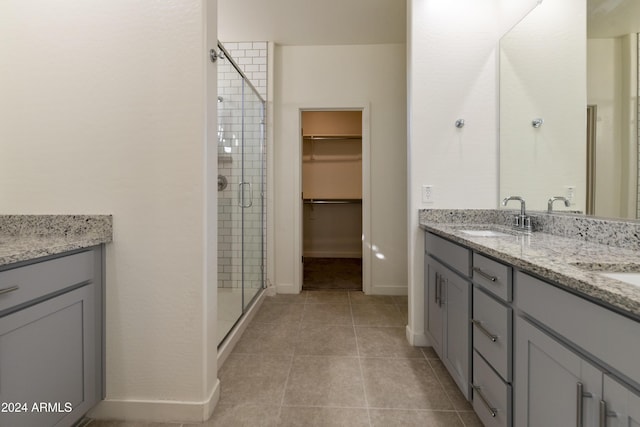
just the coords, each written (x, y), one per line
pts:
(492, 326)
(23, 284)
(493, 276)
(597, 330)
(449, 253)
(491, 395)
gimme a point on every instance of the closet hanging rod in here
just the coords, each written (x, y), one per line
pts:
(331, 138)
(332, 201)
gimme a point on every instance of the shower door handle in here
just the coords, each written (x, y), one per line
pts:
(241, 195)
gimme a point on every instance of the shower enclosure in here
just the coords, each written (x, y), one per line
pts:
(241, 184)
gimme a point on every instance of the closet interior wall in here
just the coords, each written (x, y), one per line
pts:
(332, 184)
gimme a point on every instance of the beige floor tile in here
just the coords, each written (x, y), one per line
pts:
(268, 338)
(377, 315)
(458, 400)
(414, 418)
(326, 340)
(429, 353)
(300, 298)
(241, 416)
(401, 300)
(470, 419)
(328, 314)
(108, 423)
(327, 297)
(325, 381)
(385, 341)
(404, 312)
(323, 417)
(279, 313)
(402, 384)
(359, 297)
(248, 379)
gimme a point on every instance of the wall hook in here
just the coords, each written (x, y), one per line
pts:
(460, 123)
(536, 123)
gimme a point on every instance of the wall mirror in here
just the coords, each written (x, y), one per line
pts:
(569, 107)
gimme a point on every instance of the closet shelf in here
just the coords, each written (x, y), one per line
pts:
(332, 201)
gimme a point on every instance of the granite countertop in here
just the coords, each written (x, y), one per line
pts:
(569, 262)
(28, 237)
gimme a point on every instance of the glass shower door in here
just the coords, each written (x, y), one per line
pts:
(230, 104)
(241, 217)
(252, 193)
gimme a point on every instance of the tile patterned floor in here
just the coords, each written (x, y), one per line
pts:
(332, 358)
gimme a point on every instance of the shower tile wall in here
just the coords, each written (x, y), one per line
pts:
(252, 59)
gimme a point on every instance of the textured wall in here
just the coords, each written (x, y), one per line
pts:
(452, 73)
(103, 111)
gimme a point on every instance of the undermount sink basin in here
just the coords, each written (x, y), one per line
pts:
(623, 272)
(485, 233)
(630, 278)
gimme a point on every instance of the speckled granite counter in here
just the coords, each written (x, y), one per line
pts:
(571, 262)
(27, 237)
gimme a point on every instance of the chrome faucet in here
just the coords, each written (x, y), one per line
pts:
(522, 221)
(567, 202)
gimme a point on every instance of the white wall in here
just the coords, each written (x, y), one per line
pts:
(452, 74)
(337, 77)
(103, 110)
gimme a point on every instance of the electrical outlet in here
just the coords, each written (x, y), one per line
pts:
(427, 194)
(570, 192)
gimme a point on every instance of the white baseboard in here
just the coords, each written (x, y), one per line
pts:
(157, 410)
(287, 288)
(417, 340)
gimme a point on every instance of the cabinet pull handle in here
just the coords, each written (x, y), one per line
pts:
(604, 414)
(485, 275)
(442, 279)
(482, 329)
(436, 297)
(580, 395)
(493, 411)
(10, 289)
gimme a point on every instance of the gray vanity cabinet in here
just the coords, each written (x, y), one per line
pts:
(620, 406)
(572, 358)
(51, 341)
(447, 298)
(553, 384)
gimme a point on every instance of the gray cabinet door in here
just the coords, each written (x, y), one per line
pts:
(434, 318)
(456, 354)
(548, 381)
(47, 361)
(622, 406)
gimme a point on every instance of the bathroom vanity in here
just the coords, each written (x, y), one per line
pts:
(532, 327)
(51, 322)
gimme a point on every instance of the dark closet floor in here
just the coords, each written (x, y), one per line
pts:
(332, 273)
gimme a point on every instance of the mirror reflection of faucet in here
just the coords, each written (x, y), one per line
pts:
(566, 201)
(522, 221)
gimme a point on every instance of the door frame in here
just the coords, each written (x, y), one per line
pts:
(366, 193)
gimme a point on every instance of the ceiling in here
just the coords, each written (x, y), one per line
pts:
(612, 18)
(313, 22)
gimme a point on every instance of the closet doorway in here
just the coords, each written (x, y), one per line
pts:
(332, 209)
